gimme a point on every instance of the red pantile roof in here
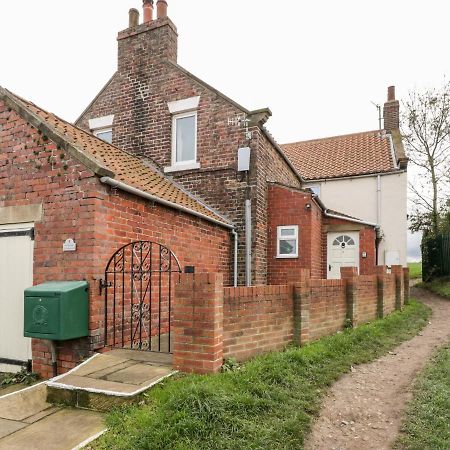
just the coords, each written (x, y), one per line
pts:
(341, 156)
(107, 160)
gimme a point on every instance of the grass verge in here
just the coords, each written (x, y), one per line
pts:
(415, 270)
(269, 402)
(440, 286)
(427, 423)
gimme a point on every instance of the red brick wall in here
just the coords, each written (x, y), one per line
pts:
(76, 205)
(367, 298)
(288, 207)
(327, 308)
(242, 322)
(256, 320)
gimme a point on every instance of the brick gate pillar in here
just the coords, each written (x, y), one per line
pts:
(406, 284)
(301, 290)
(198, 323)
(399, 287)
(381, 272)
(350, 277)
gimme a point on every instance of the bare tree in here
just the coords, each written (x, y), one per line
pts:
(426, 134)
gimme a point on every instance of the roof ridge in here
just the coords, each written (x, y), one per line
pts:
(359, 133)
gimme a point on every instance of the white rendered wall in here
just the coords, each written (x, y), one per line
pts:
(357, 197)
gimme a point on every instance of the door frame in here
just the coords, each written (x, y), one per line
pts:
(331, 236)
(16, 230)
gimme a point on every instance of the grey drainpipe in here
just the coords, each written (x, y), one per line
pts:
(248, 242)
(235, 262)
(130, 189)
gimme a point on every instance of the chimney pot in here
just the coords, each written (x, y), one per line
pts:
(161, 7)
(148, 11)
(134, 18)
(391, 94)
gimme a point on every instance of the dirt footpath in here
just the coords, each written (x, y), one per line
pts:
(364, 409)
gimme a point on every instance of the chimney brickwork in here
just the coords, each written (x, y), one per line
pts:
(391, 111)
(147, 79)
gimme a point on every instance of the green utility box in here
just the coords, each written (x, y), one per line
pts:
(57, 311)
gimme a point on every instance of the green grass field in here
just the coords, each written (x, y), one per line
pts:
(415, 270)
(427, 423)
(440, 286)
(267, 403)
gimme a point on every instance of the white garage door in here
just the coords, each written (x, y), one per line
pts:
(16, 274)
(343, 251)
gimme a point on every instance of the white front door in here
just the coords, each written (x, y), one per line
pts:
(343, 251)
(16, 274)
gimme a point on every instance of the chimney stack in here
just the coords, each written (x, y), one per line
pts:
(148, 11)
(161, 8)
(391, 111)
(134, 18)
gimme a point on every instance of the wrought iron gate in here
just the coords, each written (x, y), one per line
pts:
(138, 297)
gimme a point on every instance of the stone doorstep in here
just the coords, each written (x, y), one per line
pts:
(109, 379)
(27, 421)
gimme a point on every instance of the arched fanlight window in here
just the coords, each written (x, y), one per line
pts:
(343, 241)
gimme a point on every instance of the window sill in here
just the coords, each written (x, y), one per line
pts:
(287, 257)
(182, 167)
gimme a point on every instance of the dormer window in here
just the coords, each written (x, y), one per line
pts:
(101, 127)
(184, 135)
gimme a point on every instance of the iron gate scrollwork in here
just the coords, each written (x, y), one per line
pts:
(138, 297)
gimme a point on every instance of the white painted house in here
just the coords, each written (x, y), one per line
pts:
(363, 175)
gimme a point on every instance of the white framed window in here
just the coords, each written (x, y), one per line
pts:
(102, 127)
(104, 134)
(184, 134)
(287, 241)
(184, 139)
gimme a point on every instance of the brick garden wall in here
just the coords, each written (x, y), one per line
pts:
(328, 307)
(368, 297)
(211, 323)
(256, 320)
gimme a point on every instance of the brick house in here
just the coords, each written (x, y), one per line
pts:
(143, 108)
(161, 168)
(151, 98)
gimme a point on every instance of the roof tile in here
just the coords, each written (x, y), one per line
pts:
(341, 156)
(128, 168)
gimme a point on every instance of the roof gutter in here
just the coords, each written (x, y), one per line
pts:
(125, 187)
(349, 219)
(354, 177)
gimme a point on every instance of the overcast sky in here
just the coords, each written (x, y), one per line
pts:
(317, 64)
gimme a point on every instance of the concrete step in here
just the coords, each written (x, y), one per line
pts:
(28, 421)
(110, 379)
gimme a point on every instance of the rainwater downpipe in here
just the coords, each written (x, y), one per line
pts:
(248, 242)
(54, 358)
(378, 240)
(235, 258)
